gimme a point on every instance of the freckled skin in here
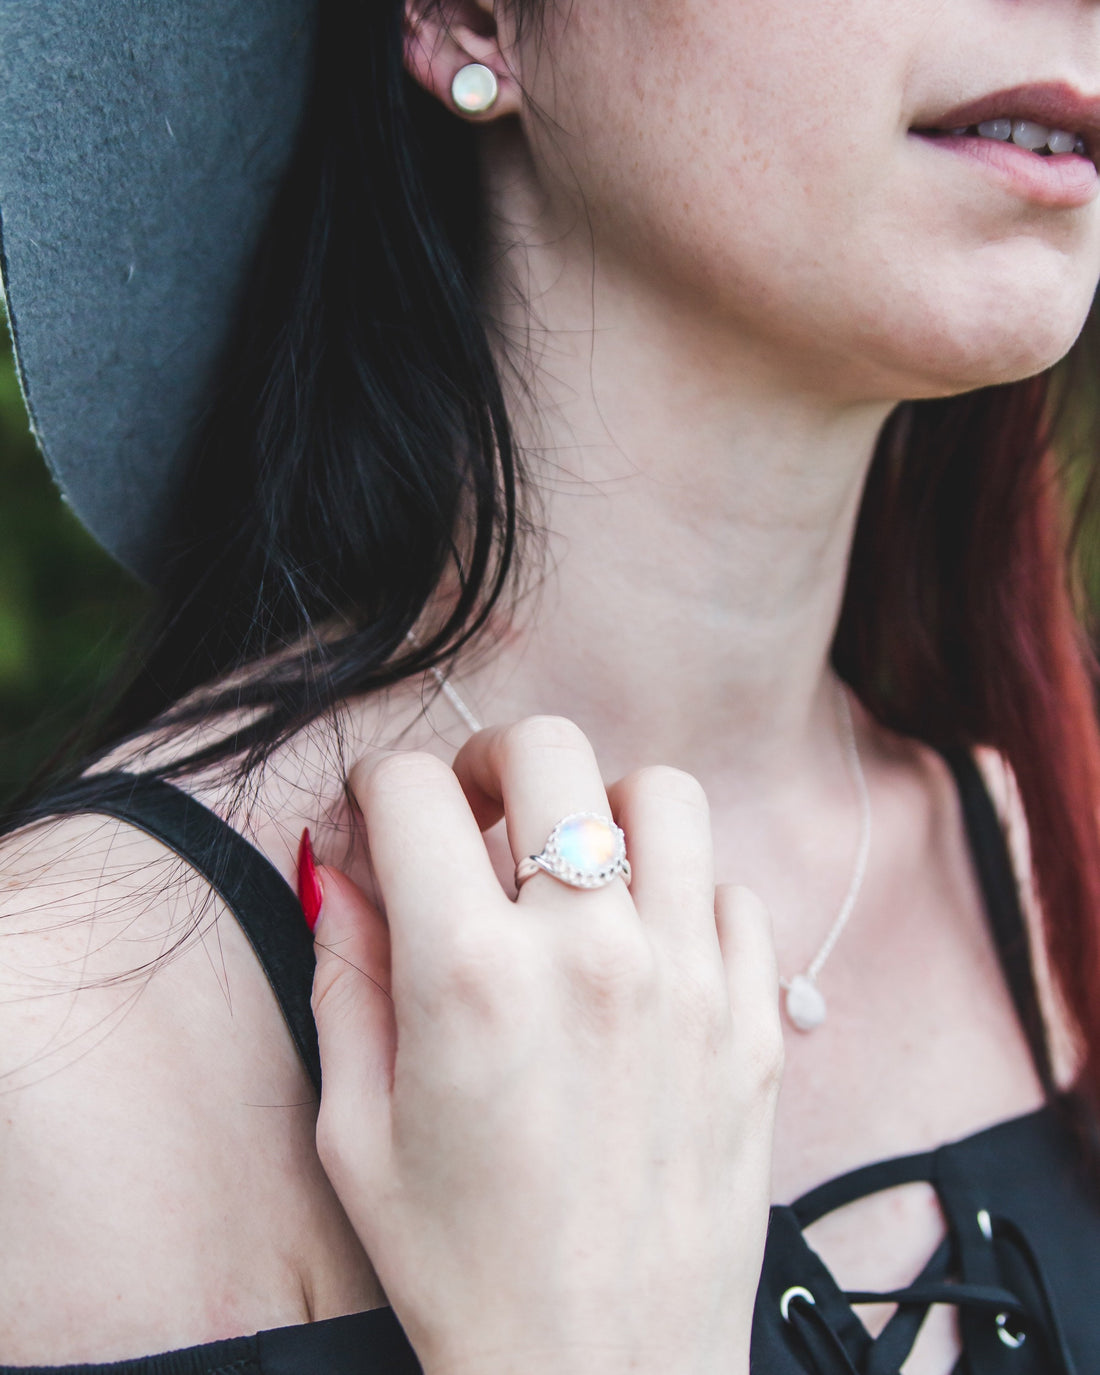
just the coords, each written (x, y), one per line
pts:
(758, 158)
(737, 258)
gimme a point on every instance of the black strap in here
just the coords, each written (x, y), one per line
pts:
(251, 887)
(997, 878)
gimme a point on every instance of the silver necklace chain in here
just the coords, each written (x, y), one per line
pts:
(451, 693)
(805, 1002)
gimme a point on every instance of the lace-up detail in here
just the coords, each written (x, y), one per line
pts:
(986, 1267)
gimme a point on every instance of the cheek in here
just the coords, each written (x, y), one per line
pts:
(763, 171)
(718, 140)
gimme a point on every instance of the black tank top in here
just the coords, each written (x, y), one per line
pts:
(1020, 1261)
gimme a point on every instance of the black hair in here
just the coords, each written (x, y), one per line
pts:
(358, 452)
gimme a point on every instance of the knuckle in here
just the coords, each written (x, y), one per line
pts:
(401, 772)
(705, 995)
(767, 1054)
(329, 1139)
(750, 906)
(480, 971)
(539, 734)
(663, 783)
(333, 991)
(615, 969)
(700, 1007)
(336, 1139)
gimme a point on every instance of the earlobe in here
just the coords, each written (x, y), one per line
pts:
(460, 64)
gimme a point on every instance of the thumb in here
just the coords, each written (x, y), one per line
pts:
(356, 1030)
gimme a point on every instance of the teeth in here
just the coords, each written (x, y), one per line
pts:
(1061, 141)
(1025, 134)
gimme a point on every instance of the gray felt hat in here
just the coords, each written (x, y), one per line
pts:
(141, 143)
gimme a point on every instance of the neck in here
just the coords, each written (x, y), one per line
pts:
(698, 502)
(697, 494)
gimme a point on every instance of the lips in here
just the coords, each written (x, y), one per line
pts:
(1055, 105)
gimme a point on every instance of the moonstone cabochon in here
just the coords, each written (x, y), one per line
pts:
(141, 143)
(587, 843)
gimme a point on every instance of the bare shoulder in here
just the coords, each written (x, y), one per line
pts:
(158, 1182)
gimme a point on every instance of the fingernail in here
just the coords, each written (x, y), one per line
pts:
(310, 892)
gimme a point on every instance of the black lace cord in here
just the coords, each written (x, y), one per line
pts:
(897, 1339)
(894, 1344)
(830, 1356)
(820, 1343)
(988, 1298)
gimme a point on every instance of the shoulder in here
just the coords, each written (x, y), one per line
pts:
(133, 1059)
(87, 909)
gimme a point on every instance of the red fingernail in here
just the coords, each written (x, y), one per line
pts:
(310, 892)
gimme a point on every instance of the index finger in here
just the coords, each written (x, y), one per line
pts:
(429, 859)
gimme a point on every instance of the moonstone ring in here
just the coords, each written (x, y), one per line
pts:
(583, 850)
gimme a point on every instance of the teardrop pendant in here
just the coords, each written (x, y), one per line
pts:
(805, 1003)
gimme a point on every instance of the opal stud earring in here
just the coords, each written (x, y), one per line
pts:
(475, 89)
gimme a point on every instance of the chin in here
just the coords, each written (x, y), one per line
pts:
(987, 345)
(1004, 357)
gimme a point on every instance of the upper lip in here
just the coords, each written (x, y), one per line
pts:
(1057, 105)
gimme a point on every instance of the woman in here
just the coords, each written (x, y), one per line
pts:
(754, 294)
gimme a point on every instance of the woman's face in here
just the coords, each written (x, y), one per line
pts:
(759, 161)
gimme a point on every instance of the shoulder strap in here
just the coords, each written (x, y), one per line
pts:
(993, 866)
(251, 887)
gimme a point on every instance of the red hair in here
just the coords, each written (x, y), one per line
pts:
(959, 629)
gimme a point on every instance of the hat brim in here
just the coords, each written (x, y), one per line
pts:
(141, 145)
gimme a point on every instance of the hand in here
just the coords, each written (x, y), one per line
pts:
(554, 1141)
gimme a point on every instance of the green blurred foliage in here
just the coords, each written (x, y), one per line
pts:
(66, 608)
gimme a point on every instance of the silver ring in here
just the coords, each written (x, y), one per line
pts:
(584, 850)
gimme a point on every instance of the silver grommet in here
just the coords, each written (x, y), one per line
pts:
(1013, 1340)
(795, 1292)
(985, 1225)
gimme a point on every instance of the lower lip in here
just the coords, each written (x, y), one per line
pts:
(1062, 181)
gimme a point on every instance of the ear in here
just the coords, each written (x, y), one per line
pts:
(443, 37)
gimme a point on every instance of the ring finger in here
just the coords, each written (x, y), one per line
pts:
(537, 771)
